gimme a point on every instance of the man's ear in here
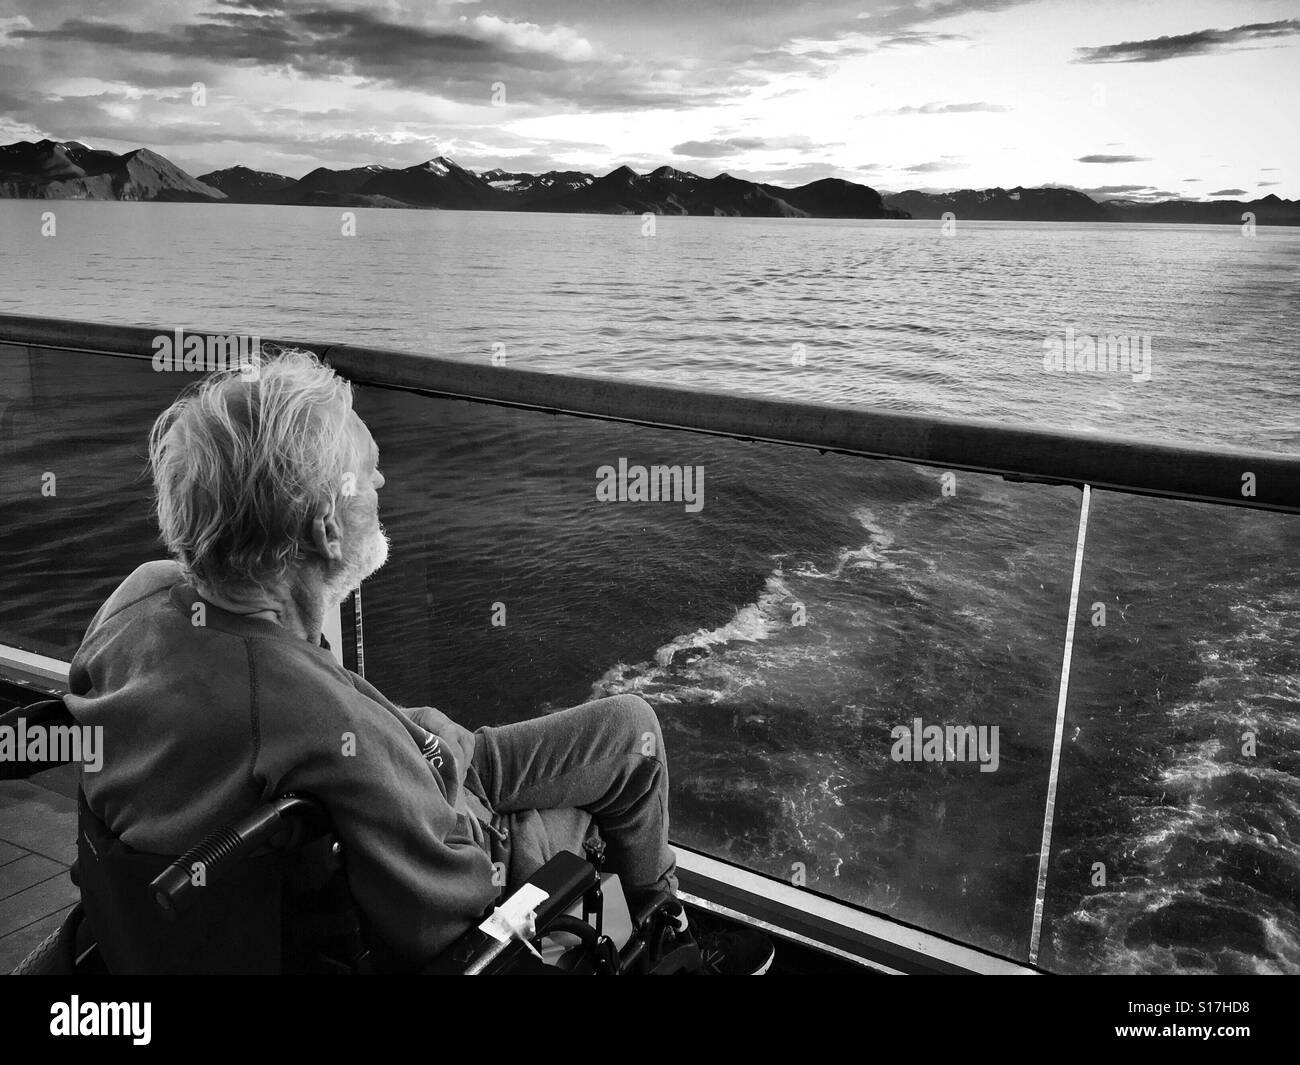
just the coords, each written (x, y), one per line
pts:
(327, 533)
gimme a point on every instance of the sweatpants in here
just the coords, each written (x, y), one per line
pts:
(552, 779)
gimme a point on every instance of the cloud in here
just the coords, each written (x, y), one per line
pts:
(898, 18)
(319, 41)
(288, 140)
(1227, 192)
(8, 25)
(817, 40)
(717, 148)
(921, 40)
(946, 109)
(1202, 42)
(1111, 159)
(1267, 184)
(458, 58)
(948, 162)
(1108, 190)
(527, 37)
(298, 82)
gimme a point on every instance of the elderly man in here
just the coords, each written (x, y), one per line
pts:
(210, 675)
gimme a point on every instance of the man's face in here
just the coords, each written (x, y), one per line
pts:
(365, 547)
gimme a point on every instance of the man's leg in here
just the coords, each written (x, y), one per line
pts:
(534, 837)
(605, 758)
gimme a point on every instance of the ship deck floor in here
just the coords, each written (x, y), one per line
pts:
(38, 842)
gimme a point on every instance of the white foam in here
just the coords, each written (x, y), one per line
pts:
(871, 555)
(673, 675)
(751, 624)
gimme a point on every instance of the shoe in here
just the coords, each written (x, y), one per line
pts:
(738, 952)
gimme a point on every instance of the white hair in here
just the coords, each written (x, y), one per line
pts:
(243, 462)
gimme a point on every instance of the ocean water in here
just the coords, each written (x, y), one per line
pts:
(1173, 848)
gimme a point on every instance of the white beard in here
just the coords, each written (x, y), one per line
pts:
(372, 555)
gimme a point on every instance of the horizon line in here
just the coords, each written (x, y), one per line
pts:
(1132, 197)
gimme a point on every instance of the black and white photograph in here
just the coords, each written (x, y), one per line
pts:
(648, 487)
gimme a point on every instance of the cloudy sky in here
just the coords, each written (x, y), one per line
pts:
(1148, 98)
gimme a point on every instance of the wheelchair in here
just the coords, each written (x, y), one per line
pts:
(268, 894)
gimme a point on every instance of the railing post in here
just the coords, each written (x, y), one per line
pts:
(1049, 811)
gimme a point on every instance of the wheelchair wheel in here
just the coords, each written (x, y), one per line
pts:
(44, 960)
(53, 957)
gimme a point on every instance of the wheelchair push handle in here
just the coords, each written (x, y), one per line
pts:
(280, 824)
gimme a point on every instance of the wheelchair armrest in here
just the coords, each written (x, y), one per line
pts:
(565, 879)
(45, 715)
(281, 824)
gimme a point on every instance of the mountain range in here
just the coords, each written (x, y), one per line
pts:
(442, 183)
(70, 170)
(1070, 205)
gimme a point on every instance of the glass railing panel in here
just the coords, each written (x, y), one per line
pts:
(1176, 845)
(74, 488)
(949, 609)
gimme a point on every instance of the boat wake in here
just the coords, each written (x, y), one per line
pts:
(1209, 877)
(713, 665)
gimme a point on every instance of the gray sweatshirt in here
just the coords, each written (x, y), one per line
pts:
(204, 721)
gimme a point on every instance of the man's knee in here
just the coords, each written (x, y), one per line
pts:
(635, 720)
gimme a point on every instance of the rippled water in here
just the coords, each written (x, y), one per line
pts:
(951, 609)
(891, 314)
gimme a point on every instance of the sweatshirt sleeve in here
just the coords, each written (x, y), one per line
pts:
(412, 864)
(427, 717)
(440, 724)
